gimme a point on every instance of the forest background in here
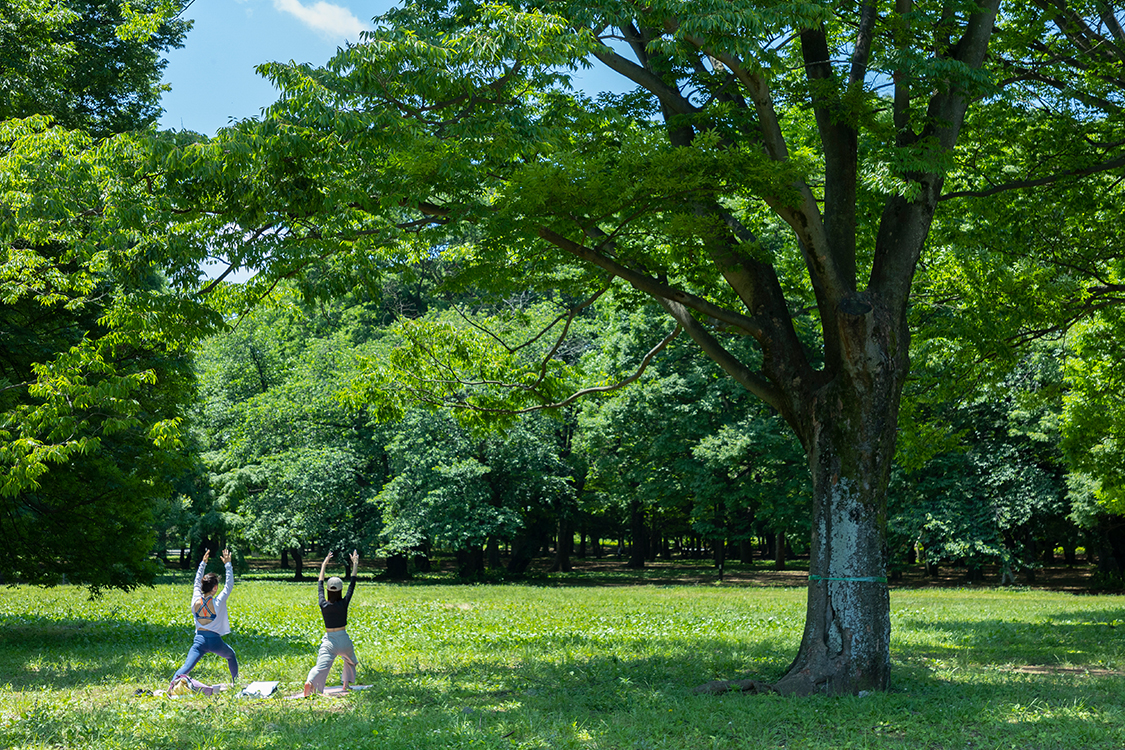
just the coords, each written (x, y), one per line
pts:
(400, 374)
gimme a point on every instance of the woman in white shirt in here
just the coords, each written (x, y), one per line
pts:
(211, 622)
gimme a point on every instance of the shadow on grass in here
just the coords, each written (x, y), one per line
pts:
(40, 652)
(1092, 638)
(598, 701)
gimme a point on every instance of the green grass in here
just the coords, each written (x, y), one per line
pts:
(560, 667)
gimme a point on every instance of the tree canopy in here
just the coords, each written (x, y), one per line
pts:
(93, 376)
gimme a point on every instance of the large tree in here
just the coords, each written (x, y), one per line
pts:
(92, 375)
(773, 159)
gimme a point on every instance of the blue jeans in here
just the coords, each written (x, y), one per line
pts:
(207, 642)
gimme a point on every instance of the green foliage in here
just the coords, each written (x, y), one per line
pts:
(456, 489)
(290, 465)
(487, 364)
(993, 486)
(1093, 436)
(91, 65)
(93, 375)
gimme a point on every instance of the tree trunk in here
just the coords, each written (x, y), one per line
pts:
(298, 563)
(523, 550)
(285, 559)
(779, 551)
(849, 434)
(637, 551)
(398, 567)
(470, 562)
(564, 547)
(492, 553)
(720, 549)
(653, 540)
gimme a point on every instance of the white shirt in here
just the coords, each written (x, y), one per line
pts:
(221, 624)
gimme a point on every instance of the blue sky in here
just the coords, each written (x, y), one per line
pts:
(213, 78)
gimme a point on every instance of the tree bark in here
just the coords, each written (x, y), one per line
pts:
(470, 561)
(639, 533)
(298, 564)
(398, 566)
(492, 553)
(849, 431)
(523, 550)
(779, 551)
(564, 547)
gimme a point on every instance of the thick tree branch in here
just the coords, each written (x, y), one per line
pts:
(802, 216)
(864, 36)
(902, 83)
(669, 96)
(839, 140)
(734, 367)
(651, 286)
(904, 225)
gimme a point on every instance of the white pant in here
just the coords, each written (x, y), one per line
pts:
(331, 646)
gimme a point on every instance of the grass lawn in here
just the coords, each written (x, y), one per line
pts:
(517, 666)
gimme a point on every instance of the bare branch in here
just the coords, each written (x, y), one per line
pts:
(749, 379)
(426, 398)
(1092, 169)
(569, 315)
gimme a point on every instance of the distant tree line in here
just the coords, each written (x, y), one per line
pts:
(290, 465)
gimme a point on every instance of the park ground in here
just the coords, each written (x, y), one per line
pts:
(595, 659)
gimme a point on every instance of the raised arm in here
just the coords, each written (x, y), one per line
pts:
(196, 589)
(351, 581)
(324, 565)
(228, 582)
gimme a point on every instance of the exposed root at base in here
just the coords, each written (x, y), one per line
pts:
(718, 687)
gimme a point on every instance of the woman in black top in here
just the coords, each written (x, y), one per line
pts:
(334, 610)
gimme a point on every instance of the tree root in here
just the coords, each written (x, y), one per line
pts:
(718, 687)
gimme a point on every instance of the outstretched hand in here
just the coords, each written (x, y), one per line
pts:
(354, 558)
(226, 556)
(206, 555)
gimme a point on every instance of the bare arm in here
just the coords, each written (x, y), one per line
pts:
(324, 565)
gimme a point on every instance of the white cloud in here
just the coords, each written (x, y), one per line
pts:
(330, 21)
